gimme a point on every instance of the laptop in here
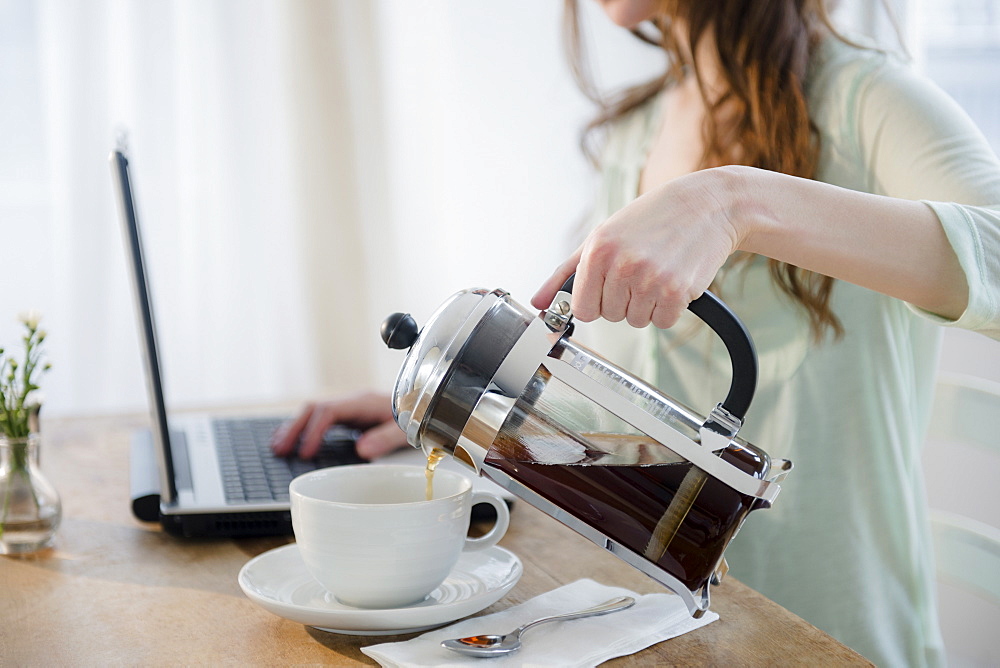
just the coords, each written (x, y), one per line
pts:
(205, 475)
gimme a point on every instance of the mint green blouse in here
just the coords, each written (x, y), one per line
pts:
(846, 545)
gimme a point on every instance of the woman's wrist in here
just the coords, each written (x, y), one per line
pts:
(742, 192)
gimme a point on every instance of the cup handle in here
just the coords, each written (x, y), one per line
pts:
(499, 527)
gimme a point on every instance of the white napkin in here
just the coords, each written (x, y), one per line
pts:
(581, 642)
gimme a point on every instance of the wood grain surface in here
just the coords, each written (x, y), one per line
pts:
(115, 591)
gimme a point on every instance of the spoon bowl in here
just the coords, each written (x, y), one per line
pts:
(487, 645)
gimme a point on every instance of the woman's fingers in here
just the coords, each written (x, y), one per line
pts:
(588, 290)
(639, 310)
(380, 440)
(286, 437)
(364, 411)
(545, 294)
(665, 316)
(323, 417)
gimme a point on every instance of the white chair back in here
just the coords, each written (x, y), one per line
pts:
(962, 466)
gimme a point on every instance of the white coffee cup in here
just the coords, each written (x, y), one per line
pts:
(369, 536)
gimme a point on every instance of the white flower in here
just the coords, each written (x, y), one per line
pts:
(30, 318)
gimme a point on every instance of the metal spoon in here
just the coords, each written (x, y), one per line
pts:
(493, 645)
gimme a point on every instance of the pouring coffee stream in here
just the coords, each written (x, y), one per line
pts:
(508, 392)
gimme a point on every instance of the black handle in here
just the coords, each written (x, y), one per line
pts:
(742, 354)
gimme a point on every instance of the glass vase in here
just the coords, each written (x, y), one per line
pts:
(30, 509)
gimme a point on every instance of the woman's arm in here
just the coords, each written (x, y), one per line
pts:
(893, 246)
(651, 259)
(904, 137)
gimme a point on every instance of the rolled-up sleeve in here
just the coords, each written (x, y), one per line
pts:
(974, 234)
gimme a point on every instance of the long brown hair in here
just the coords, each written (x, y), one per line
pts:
(764, 49)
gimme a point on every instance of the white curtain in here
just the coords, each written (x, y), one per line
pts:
(201, 91)
(302, 169)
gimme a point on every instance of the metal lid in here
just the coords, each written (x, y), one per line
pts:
(432, 354)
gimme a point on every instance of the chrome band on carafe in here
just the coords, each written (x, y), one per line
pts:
(492, 335)
(415, 391)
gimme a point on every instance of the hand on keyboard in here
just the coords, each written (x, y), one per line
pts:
(369, 412)
(250, 471)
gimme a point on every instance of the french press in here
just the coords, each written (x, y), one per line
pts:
(509, 392)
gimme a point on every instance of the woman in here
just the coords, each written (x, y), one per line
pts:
(844, 208)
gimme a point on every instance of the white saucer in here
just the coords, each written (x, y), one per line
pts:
(279, 582)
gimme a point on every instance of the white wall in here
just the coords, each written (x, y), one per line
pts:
(461, 130)
(482, 126)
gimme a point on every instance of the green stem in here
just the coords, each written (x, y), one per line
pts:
(17, 384)
(26, 370)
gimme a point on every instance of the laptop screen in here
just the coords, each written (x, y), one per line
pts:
(140, 291)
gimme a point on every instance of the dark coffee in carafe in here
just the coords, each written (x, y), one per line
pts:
(628, 502)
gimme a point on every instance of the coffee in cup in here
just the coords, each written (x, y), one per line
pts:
(368, 534)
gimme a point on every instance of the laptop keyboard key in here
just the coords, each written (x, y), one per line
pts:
(252, 474)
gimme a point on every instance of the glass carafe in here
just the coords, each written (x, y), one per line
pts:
(511, 394)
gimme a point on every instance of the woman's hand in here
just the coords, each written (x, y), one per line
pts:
(369, 411)
(655, 256)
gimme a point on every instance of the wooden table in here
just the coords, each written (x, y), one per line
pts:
(117, 591)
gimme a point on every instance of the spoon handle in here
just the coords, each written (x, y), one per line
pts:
(613, 605)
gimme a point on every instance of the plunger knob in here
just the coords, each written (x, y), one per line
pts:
(399, 331)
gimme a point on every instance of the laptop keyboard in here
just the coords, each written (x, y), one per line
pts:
(250, 471)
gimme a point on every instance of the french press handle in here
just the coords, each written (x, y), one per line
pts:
(742, 354)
